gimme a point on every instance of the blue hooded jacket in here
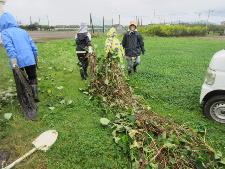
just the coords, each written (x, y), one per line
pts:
(17, 42)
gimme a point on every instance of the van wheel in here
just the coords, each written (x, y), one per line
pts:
(214, 108)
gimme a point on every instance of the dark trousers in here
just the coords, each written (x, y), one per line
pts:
(83, 59)
(31, 74)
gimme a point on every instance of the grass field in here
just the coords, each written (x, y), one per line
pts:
(169, 78)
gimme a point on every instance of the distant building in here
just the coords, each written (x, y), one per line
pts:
(223, 23)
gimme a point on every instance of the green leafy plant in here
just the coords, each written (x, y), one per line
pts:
(173, 30)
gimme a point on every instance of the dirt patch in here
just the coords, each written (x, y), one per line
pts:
(7, 155)
(43, 36)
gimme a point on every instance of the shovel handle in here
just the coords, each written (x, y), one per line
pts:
(20, 159)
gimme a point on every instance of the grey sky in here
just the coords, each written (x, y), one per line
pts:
(76, 11)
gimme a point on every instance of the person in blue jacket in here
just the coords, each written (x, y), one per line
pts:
(20, 48)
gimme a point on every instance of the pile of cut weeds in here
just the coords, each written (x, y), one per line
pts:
(150, 140)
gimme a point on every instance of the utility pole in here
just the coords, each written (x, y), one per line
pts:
(210, 12)
(198, 17)
(154, 16)
(30, 20)
(90, 20)
(139, 19)
(48, 21)
(119, 19)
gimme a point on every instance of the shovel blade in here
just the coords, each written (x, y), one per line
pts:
(45, 140)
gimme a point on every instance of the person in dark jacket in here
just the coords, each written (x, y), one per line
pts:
(20, 48)
(134, 46)
(83, 42)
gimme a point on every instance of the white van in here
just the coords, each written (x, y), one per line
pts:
(212, 96)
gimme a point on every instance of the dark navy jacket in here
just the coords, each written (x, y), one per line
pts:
(133, 44)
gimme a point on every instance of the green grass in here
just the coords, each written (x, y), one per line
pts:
(83, 142)
(169, 78)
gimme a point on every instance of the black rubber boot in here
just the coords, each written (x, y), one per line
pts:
(35, 92)
(85, 68)
(129, 72)
(82, 74)
(86, 74)
(135, 68)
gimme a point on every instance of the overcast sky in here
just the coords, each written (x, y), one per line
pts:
(76, 11)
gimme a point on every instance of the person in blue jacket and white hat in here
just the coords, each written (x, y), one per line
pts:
(20, 48)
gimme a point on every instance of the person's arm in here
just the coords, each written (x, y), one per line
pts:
(141, 43)
(10, 49)
(76, 37)
(89, 36)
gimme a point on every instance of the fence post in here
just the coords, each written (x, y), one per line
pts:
(91, 24)
(103, 29)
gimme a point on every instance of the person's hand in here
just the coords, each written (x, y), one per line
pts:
(14, 63)
(90, 50)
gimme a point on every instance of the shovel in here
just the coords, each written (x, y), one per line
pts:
(43, 143)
